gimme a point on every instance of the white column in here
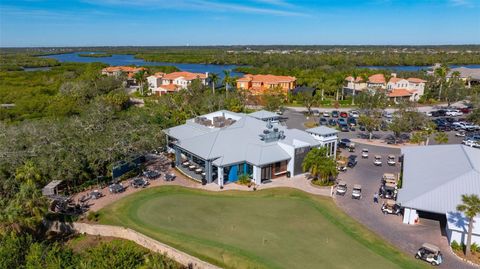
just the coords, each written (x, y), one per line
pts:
(257, 175)
(220, 176)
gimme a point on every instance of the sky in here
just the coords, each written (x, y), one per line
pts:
(35, 23)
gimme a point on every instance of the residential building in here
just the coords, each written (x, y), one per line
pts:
(471, 76)
(257, 84)
(162, 83)
(376, 81)
(221, 146)
(129, 71)
(434, 180)
(396, 88)
(405, 88)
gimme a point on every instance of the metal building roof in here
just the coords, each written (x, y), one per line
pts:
(263, 115)
(435, 177)
(241, 142)
(322, 130)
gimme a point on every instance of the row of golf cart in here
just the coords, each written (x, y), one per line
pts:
(388, 190)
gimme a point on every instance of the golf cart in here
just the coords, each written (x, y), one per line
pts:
(388, 190)
(351, 147)
(378, 160)
(341, 188)
(389, 177)
(116, 188)
(341, 166)
(430, 253)
(391, 160)
(390, 207)
(357, 192)
(364, 153)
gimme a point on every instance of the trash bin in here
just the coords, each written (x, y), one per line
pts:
(288, 174)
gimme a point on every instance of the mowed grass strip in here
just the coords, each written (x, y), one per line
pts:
(275, 228)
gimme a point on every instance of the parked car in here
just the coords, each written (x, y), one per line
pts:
(378, 160)
(453, 112)
(460, 133)
(465, 110)
(341, 188)
(344, 128)
(342, 121)
(391, 160)
(323, 121)
(429, 114)
(344, 142)
(430, 253)
(471, 143)
(341, 166)
(364, 153)
(351, 121)
(357, 192)
(335, 113)
(464, 126)
(435, 113)
(315, 112)
(332, 122)
(390, 207)
(354, 114)
(352, 161)
(326, 114)
(343, 114)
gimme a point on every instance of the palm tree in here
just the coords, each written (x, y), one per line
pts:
(428, 131)
(471, 208)
(214, 80)
(319, 164)
(140, 78)
(441, 138)
(226, 80)
(441, 74)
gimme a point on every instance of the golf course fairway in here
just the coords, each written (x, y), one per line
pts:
(274, 228)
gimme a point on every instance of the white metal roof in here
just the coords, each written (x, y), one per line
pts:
(263, 115)
(322, 130)
(240, 142)
(435, 177)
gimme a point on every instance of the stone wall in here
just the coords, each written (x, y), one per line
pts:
(129, 234)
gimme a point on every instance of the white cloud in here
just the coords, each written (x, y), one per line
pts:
(208, 5)
(462, 3)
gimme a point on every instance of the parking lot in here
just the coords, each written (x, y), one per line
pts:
(296, 119)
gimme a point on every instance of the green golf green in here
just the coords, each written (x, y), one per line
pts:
(276, 228)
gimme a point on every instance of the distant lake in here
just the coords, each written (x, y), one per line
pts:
(128, 59)
(413, 68)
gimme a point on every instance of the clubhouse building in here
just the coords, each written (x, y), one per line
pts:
(222, 146)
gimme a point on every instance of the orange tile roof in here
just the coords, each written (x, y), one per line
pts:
(349, 78)
(416, 80)
(270, 79)
(127, 69)
(377, 79)
(185, 75)
(400, 93)
(394, 80)
(169, 87)
(358, 79)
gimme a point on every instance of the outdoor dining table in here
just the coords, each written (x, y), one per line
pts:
(198, 170)
(191, 167)
(185, 163)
